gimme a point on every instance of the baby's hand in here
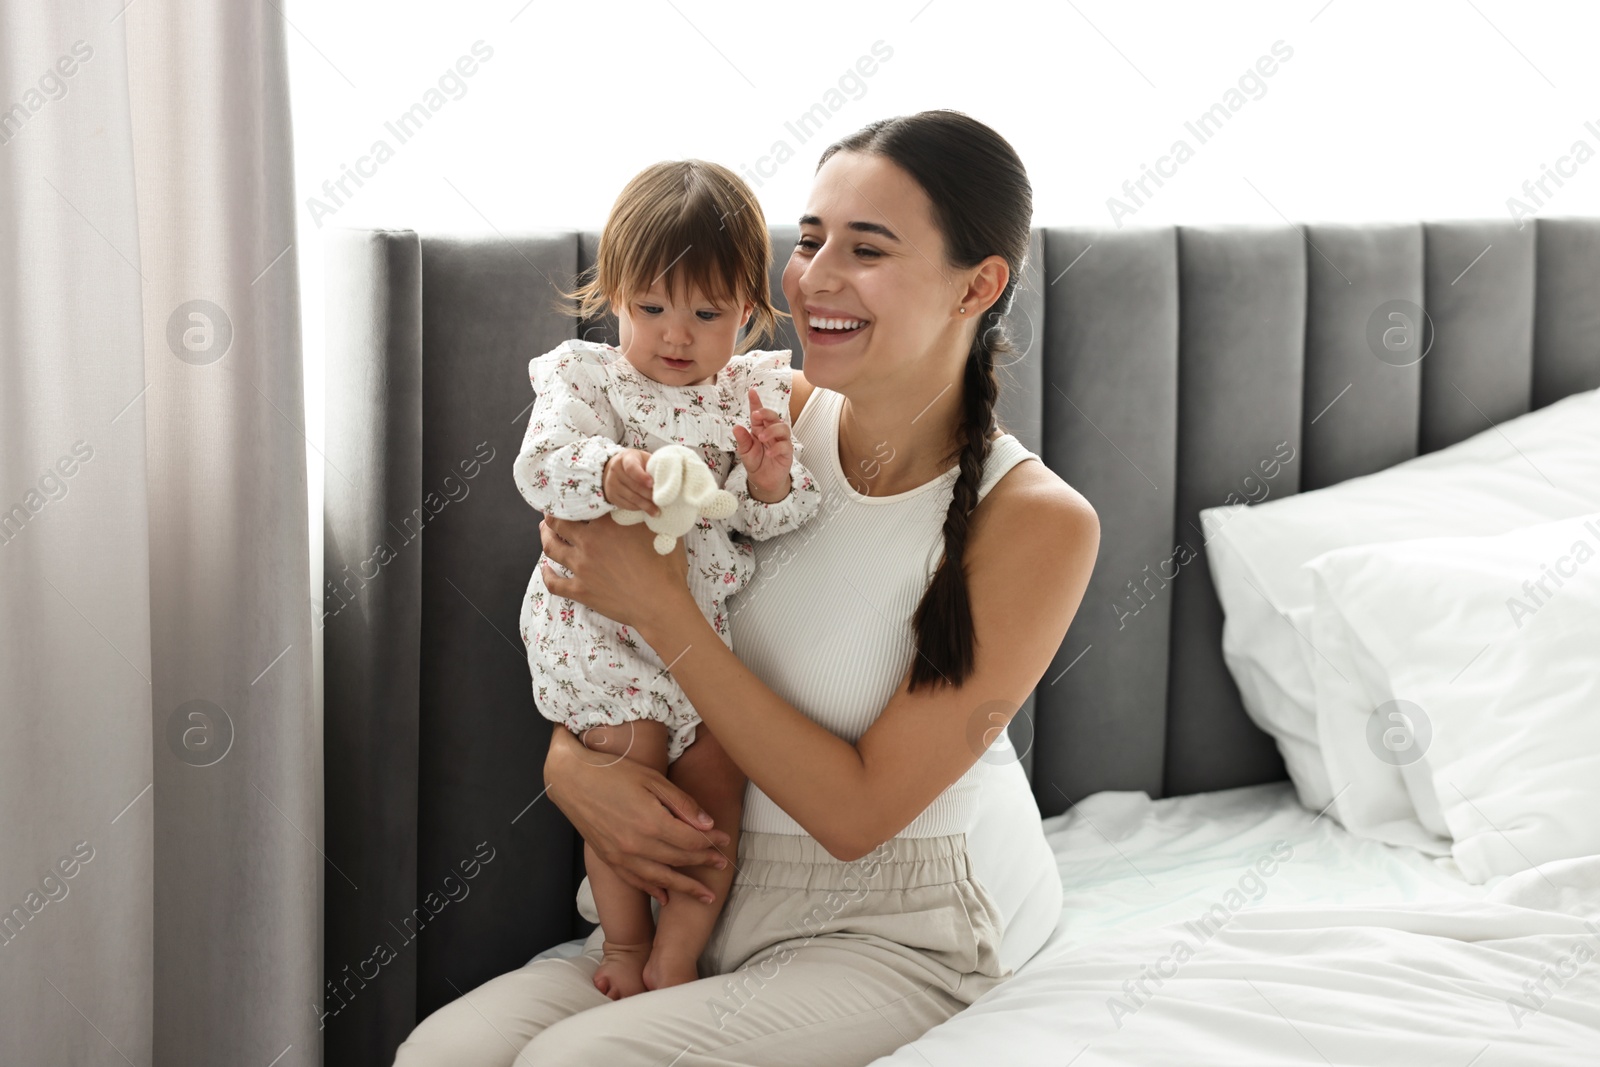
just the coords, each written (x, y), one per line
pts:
(626, 481)
(766, 451)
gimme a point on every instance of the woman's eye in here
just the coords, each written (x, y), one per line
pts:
(810, 245)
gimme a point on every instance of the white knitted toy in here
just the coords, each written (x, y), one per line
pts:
(684, 490)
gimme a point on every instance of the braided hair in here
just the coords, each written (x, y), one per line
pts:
(983, 205)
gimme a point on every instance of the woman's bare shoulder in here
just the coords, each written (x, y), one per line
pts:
(799, 390)
(1032, 507)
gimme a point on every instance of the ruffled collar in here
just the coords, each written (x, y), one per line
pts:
(686, 414)
(693, 415)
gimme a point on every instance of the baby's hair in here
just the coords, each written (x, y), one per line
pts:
(697, 223)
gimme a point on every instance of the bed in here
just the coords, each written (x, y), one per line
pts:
(1158, 369)
(1348, 952)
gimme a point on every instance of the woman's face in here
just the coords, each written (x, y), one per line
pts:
(868, 283)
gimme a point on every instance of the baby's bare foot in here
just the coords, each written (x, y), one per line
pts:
(621, 970)
(669, 969)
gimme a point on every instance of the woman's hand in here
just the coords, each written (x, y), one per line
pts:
(615, 569)
(641, 824)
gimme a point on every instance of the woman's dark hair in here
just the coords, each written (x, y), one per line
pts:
(983, 205)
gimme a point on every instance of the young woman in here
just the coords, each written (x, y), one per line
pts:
(887, 875)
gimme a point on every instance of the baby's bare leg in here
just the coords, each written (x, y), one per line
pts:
(624, 911)
(705, 772)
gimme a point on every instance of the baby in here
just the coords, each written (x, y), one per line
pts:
(682, 262)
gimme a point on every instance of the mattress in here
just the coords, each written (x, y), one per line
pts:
(1237, 928)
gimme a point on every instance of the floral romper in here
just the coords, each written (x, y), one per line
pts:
(592, 403)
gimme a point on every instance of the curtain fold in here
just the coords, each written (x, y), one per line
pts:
(160, 762)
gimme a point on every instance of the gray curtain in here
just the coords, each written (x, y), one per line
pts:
(160, 762)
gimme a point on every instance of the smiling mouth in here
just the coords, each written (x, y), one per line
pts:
(834, 328)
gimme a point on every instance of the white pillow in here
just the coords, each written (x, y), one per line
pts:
(1493, 646)
(1540, 466)
(1353, 697)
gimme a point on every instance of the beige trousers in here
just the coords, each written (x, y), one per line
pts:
(814, 962)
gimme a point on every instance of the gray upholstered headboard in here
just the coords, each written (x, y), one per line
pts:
(1160, 371)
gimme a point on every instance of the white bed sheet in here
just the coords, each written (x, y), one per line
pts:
(1349, 952)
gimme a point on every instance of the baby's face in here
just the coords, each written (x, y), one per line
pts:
(683, 343)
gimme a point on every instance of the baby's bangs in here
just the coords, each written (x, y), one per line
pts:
(687, 256)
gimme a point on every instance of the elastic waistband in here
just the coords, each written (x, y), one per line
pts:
(796, 861)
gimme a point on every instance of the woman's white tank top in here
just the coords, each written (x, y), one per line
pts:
(826, 622)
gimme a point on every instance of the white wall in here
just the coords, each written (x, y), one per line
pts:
(1383, 111)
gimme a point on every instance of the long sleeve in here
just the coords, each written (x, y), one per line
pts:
(762, 520)
(572, 432)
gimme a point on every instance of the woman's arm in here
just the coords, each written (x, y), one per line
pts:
(1030, 552)
(641, 824)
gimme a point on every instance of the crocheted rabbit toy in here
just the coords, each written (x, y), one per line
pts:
(685, 490)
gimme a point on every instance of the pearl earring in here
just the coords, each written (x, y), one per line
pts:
(963, 311)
